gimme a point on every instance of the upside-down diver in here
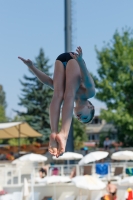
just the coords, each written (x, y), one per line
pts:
(71, 83)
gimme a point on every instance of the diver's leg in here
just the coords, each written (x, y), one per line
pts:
(59, 85)
(72, 84)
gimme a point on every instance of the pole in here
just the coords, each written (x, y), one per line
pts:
(68, 26)
(68, 48)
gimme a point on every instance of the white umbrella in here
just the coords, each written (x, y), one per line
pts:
(32, 157)
(122, 155)
(126, 181)
(53, 179)
(88, 182)
(69, 156)
(93, 156)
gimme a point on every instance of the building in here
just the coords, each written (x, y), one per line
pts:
(98, 127)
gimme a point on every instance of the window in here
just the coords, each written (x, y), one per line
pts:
(96, 120)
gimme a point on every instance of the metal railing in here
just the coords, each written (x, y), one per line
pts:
(11, 176)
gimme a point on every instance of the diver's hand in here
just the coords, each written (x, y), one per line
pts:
(77, 56)
(27, 62)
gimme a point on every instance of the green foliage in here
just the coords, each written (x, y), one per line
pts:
(2, 105)
(18, 118)
(1, 141)
(79, 132)
(36, 98)
(2, 115)
(2, 97)
(14, 141)
(115, 83)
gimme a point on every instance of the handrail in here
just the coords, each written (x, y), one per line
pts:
(10, 176)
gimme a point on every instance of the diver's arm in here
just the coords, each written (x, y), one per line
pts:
(86, 77)
(40, 75)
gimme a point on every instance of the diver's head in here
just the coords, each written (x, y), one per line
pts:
(84, 113)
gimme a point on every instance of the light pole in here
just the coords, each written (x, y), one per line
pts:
(68, 48)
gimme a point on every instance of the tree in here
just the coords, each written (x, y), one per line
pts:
(2, 105)
(2, 97)
(114, 83)
(36, 98)
(79, 133)
(2, 114)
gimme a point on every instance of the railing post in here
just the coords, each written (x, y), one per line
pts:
(5, 172)
(77, 170)
(62, 170)
(19, 176)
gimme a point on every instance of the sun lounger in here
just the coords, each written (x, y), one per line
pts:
(118, 173)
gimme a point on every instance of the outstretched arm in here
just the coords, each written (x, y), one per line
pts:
(40, 75)
(86, 77)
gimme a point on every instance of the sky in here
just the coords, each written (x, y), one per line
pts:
(27, 26)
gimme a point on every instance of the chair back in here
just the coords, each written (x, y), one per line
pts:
(87, 170)
(118, 171)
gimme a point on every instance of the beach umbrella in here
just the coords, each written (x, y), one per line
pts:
(17, 130)
(88, 182)
(32, 157)
(93, 156)
(69, 156)
(53, 179)
(122, 155)
(91, 183)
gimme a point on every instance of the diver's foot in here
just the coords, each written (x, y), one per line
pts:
(53, 144)
(61, 140)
